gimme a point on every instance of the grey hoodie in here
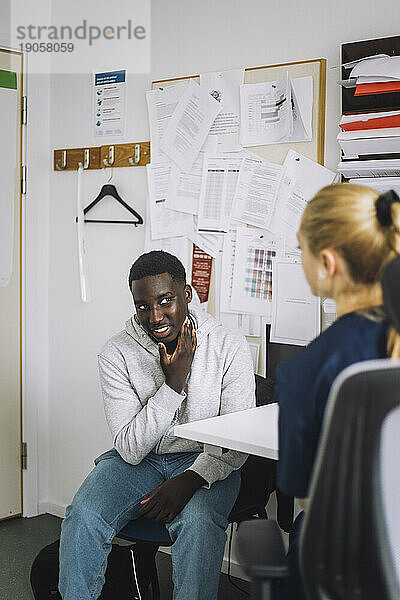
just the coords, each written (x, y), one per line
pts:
(142, 410)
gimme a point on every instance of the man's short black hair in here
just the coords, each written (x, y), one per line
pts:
(155, 263)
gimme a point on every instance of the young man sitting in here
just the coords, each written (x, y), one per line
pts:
(170, 365)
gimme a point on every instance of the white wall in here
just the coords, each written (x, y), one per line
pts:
(77, 426)
(188, 37)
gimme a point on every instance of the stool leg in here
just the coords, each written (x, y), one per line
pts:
(262, 589)
(155, 586)
(135, 576)
(154, 583)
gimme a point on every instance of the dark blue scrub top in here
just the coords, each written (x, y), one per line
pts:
(302, 389)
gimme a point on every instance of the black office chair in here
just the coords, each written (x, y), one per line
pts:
(350, 542)
(258, 481)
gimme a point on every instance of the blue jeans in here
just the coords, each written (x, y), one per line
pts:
(110, 497)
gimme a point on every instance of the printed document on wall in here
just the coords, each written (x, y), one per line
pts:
(266, 112)
(252, 273)
(220, 177)
(109, 104)
(295, 311)
(227, 266)
(189, 126)
(164, 222)
(302, 103)
(305, 178)
(244, 324)
(184, 188)
(224, 86)
(210, 242)
(256, 192)
(161, 104)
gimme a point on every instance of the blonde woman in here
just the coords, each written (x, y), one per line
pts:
(348, 234)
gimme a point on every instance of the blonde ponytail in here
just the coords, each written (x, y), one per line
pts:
(365, 231)
(343, 216)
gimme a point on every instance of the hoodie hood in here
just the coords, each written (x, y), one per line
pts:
(203, 324)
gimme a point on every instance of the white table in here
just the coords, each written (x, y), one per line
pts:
(254, 431)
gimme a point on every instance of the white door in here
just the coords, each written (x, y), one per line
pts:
(10, 284)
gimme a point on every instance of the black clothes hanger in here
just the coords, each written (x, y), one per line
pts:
(110, 190)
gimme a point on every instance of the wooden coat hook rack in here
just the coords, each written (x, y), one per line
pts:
(134, 154)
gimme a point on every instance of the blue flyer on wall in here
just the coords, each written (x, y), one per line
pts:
(109, 102)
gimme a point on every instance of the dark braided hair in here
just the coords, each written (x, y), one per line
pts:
(155, 263)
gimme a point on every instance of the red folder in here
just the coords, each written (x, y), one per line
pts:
(375, 123)
(385, 87)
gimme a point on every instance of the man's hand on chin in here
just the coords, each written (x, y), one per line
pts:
(168, 499)
(177, 366)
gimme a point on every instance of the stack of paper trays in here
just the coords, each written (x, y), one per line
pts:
(377, 75)
(380, 184)
(369, 168)
(374, 120)
(370, 141)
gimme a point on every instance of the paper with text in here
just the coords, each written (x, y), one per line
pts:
(184, 188)
(266, 112)
(189, 126)
(252, 273)
(224, 86)
(164, 223)
(302, 104)
(161, 103)
(305, 178)
(256, 192)
(210, 242)
(227, 266)
(219, 181)
(295, 311)
(245, 324)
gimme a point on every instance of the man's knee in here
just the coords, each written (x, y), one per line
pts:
(200, 515)
(80, 511)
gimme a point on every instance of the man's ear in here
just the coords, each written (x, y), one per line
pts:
(330, 260)
(188, 293)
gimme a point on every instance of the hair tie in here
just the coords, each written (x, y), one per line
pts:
(391, 292)
(383, 206)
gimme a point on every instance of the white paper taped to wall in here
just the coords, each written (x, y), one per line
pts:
(295, 311)
(184, 188)
(305, 177)
(224, 87)
(256, 192)
(266, 112)
(252, 273)
(189, 126)
(161, 104)
(164, 222)
(220, 177)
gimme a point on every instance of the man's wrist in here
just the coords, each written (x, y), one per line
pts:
(196, 480)
(175, 385)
